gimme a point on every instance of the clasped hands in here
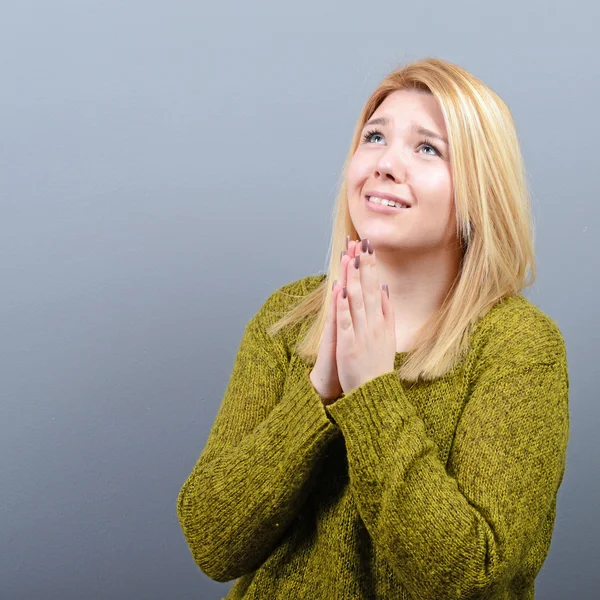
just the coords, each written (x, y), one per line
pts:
(360, 327)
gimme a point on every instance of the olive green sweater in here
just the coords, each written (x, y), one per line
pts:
(444, 489)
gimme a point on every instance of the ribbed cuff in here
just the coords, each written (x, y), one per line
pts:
(305, 415)
(370, 412)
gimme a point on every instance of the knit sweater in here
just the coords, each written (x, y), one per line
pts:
(430, 491)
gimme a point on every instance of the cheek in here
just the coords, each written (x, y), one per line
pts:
(357, 170)
(363, 163)
(435, 180)
(434, 186)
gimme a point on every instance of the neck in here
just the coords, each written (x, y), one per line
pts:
(418, 284)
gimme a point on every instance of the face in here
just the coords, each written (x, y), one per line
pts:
(397, 159)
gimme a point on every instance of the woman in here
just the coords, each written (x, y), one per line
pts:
(404, 441)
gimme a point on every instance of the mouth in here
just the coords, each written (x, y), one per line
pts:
(385, 206)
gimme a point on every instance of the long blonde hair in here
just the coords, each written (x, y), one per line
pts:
(493, 217)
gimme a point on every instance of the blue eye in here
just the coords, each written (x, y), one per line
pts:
(369, 134)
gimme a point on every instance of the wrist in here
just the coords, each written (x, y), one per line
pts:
(326, 397)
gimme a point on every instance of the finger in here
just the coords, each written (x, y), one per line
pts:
(345, 259)
(388, 310)
(371, 290)
(329, 330)
(344, 327)
(346, 256)
(355, 296)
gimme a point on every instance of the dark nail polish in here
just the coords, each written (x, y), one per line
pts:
(370, 247)
(344, 292)
(365, 244)
(356, 261)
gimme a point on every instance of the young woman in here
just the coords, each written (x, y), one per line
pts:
(404, 440)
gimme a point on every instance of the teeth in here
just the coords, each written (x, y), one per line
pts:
(385, 202)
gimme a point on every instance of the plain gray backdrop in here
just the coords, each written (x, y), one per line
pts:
(165, 166)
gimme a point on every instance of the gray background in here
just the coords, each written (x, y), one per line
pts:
(155, 157)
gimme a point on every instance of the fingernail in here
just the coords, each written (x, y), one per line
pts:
(370, 247)
(365, 245)
(387, 289)
(347, 241)
(356, 261)
(334, 282)
(342, 255)
(344, 292)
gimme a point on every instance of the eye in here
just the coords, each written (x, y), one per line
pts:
(427, 142)
(368, 136)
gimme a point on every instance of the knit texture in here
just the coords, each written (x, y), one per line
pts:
(429, 491)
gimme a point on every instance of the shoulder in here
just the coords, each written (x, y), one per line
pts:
(517, 332)
(302, 287)
(284, 298)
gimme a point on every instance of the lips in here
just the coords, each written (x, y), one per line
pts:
(385, 209)
(388, 196)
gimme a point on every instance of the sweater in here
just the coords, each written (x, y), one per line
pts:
(429, 491)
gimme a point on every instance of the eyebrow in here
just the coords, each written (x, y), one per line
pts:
(416, 128)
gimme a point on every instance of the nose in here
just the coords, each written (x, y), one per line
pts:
(392, 165)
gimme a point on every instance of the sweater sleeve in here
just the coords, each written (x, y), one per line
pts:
(458, 531)
(255, 470)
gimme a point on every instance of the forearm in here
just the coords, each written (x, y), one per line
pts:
(234, 508)
(458, 532)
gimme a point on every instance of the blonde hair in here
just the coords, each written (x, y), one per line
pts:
(493, 217)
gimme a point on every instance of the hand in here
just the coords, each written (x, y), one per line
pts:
(366, 331)
(324, 375)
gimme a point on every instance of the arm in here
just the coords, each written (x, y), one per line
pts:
(457, 533)
(255, 470)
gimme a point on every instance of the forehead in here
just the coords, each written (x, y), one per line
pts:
(403, 106)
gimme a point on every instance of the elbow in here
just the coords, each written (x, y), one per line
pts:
(472, 574)
(214, 566)
(209, 550)
(451, 588)
(216, 569)
(214, 561)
